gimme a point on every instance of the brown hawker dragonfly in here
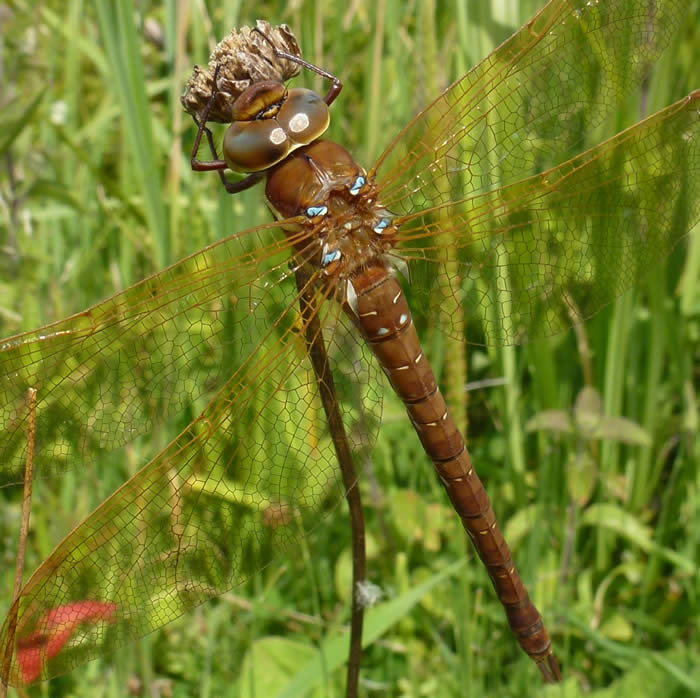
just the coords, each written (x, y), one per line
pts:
(476, 200)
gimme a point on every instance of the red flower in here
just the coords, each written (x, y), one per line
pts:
(54, 629)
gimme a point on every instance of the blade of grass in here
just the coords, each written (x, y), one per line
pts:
(122, 47)
(378, 621)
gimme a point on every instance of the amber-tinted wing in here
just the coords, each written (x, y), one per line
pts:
(109, 373)
(519, 232)
(236, 487)
(530, 105)
(531, 258)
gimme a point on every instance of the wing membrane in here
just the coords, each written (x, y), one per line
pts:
(235, 488)
(108, 374)
(529, 105)
(529, 257)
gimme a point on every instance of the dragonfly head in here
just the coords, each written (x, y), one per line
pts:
(270, 122)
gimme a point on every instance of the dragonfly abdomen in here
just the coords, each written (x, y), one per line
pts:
(381, 312)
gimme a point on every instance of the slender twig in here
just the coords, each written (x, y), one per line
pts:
(584, 348)
(324, 378)
(22, 547)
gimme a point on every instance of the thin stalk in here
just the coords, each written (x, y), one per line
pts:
(613, 398)
(688, 285)
(173, 175)
(22, 547)
(329, 399)
(121, 43)
(642, 485)
(373, 90)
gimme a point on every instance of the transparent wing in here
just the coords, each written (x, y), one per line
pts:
(529, 258)
(240, 484)
(529, 105)
(110, 373)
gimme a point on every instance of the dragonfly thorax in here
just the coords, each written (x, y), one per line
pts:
(348, 228)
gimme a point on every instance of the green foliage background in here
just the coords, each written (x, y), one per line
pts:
(96, 192)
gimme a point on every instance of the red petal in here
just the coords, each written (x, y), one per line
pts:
(52, 632)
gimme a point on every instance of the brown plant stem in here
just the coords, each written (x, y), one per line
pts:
(326, 386)
(22, 546)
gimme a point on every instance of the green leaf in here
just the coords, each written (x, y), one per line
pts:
(582, 475)
(521, 523)
(618, 628)
(628, 526)
(268, 664)
(343, 575)
(619, 521)
(588, 404)
(655, 674)
(10, 130)
(623, 430)
(333, 651)
(557, 421)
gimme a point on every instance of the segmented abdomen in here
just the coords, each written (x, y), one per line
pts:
(384, 318)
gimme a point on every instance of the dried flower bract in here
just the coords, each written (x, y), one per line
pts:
(243, 57)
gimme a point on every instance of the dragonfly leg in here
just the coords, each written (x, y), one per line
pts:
(205, 165)
(246, 183)
(336, 85)
(216, 165)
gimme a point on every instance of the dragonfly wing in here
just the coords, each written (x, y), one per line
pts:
(529, 105)
(532, 258)
(240, 484)
(115, 371)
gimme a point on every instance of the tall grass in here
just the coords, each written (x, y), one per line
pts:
(97, 193)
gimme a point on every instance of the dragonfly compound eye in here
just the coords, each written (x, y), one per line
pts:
(304, 116)
(262, 100)
(269, 123)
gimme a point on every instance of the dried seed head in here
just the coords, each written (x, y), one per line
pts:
(243, 57)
